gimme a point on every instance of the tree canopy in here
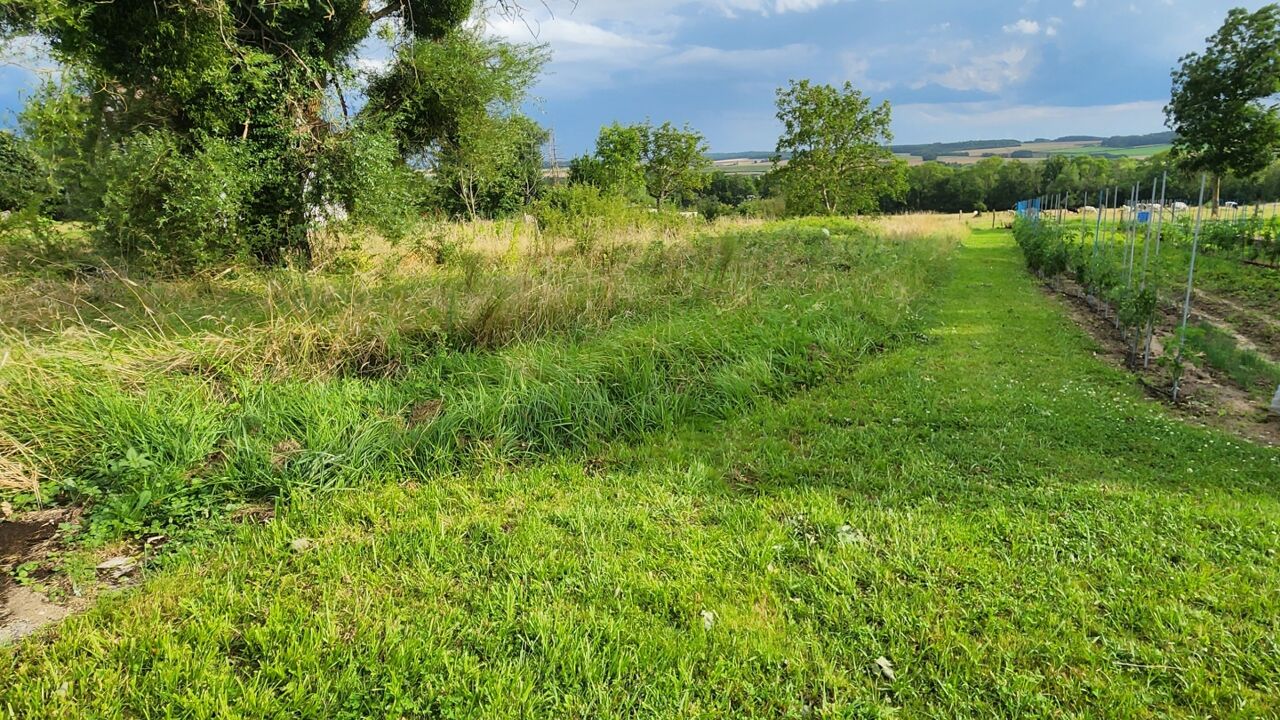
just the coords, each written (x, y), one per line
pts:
(675, 162)
(838, 145)
(263, 87)
(1222, 107)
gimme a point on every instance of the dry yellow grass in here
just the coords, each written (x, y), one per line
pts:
(16, 473)
(483, 284)
(915, 225)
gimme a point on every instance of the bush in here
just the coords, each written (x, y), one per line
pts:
(23, 182)
(173, 211)
(582, 211)
(711, 208)
(361, 180)
(770, 208)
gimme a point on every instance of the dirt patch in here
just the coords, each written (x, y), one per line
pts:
(1205, 398)
(1254, 329)
(23, 611)
(26, 538)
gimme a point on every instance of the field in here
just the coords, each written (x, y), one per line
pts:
(1219, 355)
(1143, 151)
(972, 153)
(810, 469)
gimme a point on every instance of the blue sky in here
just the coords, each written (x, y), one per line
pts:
(953, 70)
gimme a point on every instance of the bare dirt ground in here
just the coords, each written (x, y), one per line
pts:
(24, 538)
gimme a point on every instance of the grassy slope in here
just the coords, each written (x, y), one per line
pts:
(1141, 151)
(995, 511)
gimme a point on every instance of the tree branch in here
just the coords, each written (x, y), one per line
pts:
(390, 9)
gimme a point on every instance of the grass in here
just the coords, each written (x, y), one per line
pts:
(1221, 351)
(171, 402)
(987, 506)
(1142, 151)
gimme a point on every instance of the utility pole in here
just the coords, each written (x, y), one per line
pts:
(555, 160)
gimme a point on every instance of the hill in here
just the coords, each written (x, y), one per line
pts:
(971, 151)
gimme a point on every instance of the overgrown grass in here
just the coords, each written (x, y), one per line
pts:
(990, 508)
(1222, 352)
(173, 402)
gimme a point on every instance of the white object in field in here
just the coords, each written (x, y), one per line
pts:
(1179, 206)
(1088, 208)
(1231, 204)
(1275, 402)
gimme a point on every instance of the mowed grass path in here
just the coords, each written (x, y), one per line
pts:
(994, 511)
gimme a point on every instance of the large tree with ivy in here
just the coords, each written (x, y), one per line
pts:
(260, 89)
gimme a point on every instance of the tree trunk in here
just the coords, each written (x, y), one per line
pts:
(1217, 193)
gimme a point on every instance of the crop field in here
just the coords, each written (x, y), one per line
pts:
(806, 469)
(1136, 274)
(1142, 151)
(1040, 150)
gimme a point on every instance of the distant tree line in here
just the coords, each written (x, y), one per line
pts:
(998, 184)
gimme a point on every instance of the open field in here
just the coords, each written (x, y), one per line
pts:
(1142, 151)
(777, 472)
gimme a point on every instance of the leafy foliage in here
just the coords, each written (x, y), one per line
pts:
(194, 82)
(616, 167)
(837, 142)
(675, 162)
(23, 181)
(1222, 106)
(170, 210)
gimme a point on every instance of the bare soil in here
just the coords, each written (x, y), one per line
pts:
(26, 538)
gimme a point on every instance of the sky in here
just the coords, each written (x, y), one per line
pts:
(977, 69)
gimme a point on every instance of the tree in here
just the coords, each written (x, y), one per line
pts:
(1222, 107)
(840, 161)
(23, 181)
(494, 167)
(435, 90)
(246, 79)
(675, 162)
(617, 167)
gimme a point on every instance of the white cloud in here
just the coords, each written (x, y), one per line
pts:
(986, 73)
(740, 59)
(857, 71)
(997, 119)
(1023, 27)
(30, 54)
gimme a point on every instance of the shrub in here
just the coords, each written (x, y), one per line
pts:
(770, 208)
(361, 180)
(582, 211)
(23, 182)
(171, 210)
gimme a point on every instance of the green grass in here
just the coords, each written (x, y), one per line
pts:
(156, 425)
(991, 508)
(1142, 151)
(1220, 351)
